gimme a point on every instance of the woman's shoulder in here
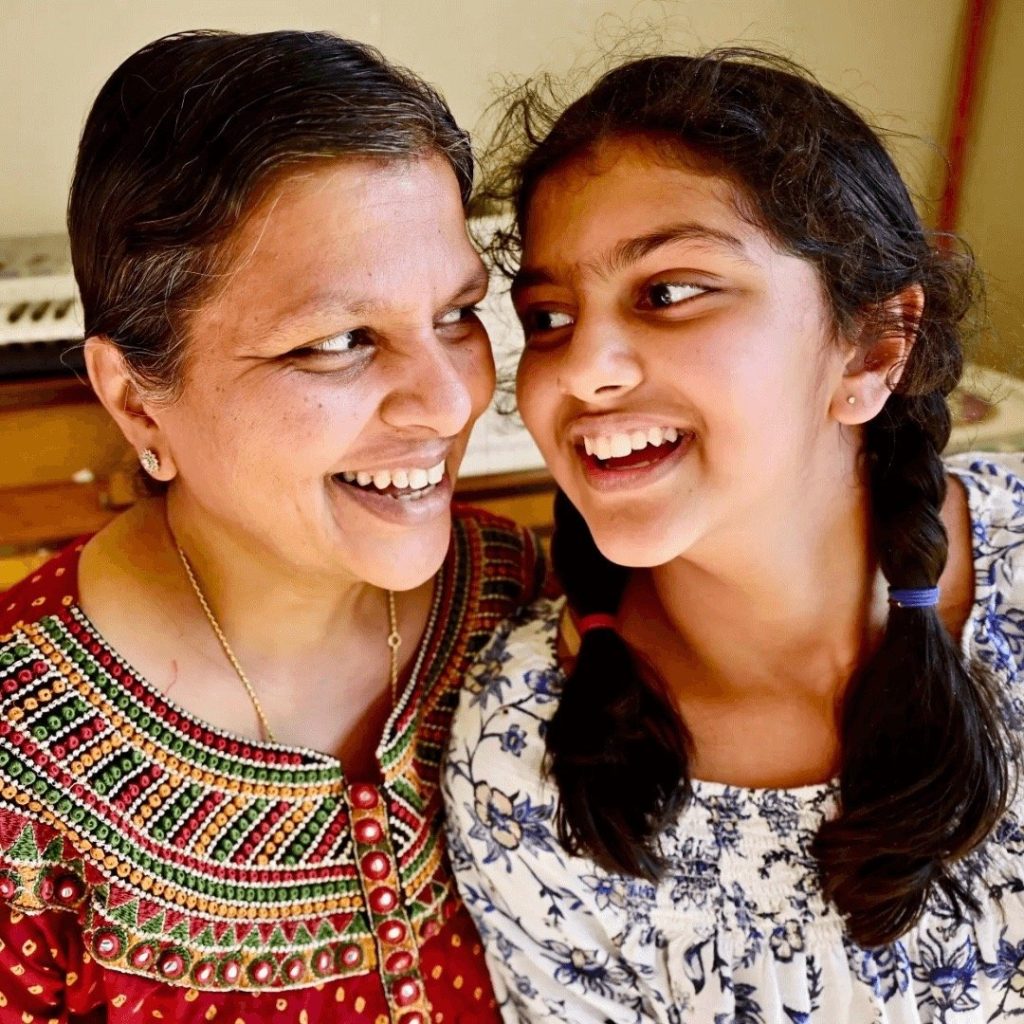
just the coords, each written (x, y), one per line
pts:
(506, 558)
(48, 590)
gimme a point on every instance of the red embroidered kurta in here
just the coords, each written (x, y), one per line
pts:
(155, 868)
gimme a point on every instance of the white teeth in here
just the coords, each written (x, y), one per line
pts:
(417, 479)
(621, 445)
(616, 446)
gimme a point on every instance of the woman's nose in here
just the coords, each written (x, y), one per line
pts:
(432, 389)
(599, 363)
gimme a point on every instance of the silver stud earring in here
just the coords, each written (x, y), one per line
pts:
(851, 400)
(150, 461)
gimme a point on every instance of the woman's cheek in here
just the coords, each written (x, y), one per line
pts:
(479, 373)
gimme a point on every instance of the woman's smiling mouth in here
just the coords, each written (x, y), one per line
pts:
(407, 484)
(399, 495)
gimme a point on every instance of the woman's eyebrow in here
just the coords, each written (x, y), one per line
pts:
(327, 302)
(630, 250)
(479, 280)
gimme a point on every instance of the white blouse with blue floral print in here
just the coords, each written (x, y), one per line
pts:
(737, 932)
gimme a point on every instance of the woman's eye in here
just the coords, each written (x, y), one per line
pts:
(457, 315)
(669, 293)
(335, 345)
(539, 320)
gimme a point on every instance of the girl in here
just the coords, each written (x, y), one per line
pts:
(757, 767)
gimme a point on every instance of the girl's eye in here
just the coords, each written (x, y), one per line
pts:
(457, 315)
(666, 294)
(537, 321)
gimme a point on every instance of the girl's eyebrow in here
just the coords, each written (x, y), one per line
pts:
(630, 250)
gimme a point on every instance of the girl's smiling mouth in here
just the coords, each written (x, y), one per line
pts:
(628, 459)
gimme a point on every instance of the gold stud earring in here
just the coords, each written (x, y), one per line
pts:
(150, 461)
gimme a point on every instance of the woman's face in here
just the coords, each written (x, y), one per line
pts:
(332, 380)
(678, 370)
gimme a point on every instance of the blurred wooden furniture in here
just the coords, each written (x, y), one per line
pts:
(65, 471)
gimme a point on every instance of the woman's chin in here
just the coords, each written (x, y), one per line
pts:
(396, 561)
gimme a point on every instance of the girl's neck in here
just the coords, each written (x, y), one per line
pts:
(793, 599)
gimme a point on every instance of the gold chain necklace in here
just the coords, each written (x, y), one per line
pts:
(394, 642)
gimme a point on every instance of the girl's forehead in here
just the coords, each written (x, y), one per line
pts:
(637, 178)
(629, 202)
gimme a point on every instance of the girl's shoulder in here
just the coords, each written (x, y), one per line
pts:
(994, 634)
(994, 482)
(516, 678)
(995, 485)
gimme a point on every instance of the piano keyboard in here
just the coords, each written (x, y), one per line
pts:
(40, 316)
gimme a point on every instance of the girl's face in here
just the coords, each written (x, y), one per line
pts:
(679, 370)
(332, 381)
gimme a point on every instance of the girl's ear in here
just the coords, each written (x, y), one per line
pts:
(874, 367)
(120, 395)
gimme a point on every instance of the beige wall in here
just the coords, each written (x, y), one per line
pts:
(891, 56)
(894, 58)
(992, 216)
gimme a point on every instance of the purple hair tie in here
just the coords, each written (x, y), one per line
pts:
(914, 597)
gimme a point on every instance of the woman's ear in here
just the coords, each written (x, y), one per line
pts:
(874, 367)
(118, 391)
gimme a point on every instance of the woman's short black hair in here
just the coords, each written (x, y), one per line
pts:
(179, 142)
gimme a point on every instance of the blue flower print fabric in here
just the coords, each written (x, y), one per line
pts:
(737, 931)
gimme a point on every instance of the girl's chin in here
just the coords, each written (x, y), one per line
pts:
(638, 542)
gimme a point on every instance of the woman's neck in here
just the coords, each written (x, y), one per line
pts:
(273, 610)
(314, 647)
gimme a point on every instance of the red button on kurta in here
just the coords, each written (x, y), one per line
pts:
(392, 932)
(398, 962)
(383, 900)
(407, 992)
(364, 796)
(376, 865)
(368, 831)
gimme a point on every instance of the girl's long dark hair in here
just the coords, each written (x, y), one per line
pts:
(925, 754)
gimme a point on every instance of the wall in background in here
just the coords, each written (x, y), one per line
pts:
(992, 215)
(896, 61)
(891, 58)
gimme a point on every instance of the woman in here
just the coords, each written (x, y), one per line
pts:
(757, 768)
(222, 716)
